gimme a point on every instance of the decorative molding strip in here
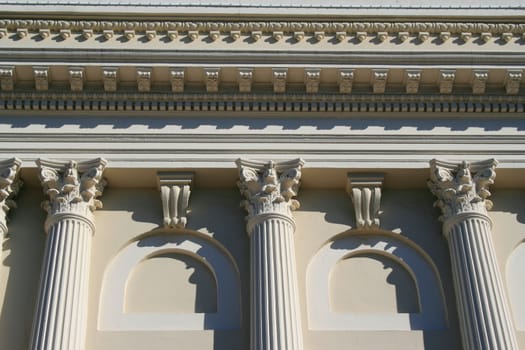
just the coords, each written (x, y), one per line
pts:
(279, 5)
(175, 190)
(413, 28)
(262, 102)
(365, 191)
(501, 33)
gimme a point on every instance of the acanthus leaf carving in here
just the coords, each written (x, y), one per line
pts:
(462, 188)
(269, 187)
(72, 187)
(10, 185)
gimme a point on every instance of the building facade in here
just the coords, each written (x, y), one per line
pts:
(264, 175)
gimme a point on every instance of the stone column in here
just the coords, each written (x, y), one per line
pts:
(462, 192)
(61, 314)
(268, 189)
(9, 186)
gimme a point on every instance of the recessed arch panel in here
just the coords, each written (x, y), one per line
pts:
(432, 313)
(205, 251)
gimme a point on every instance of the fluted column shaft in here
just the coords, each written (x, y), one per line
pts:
(275, 315)
(62, 301)
(482, 305)
(61, 312)
(462, 192)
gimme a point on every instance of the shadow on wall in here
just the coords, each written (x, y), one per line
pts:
(370, 293)
(429, 311)
(226, 123)
(196, 249)
(22, 253)
(171, 282)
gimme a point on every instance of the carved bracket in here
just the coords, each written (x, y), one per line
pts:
(9, 186)
(175, 190)
(365, 191)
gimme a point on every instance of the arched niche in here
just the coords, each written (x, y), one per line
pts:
(188, 247)
(426, 313)
(516, 285)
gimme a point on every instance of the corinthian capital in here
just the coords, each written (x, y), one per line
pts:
(72, 188)
(9, 186)
(269, 187)
(462, 188)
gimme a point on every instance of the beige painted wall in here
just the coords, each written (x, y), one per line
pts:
(129, 213)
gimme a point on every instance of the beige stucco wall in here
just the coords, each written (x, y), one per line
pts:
(324, 214)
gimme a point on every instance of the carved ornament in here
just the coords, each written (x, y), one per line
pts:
(269, 188)
(312, 78)
(177, 79)
(144, 79)
(212, 79)
(72, 189)
(479, 81)
(10, 185)
(41, 76)
(378, 80)
(365, 191)
(7, 78)
(412, 79)
(462, 188)
(245, 80)
(464, 31)
(512, 81)
(346, 80)
(446, 81)
(279, 79)
(76, 78)
(175, 190)
(110, 76)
